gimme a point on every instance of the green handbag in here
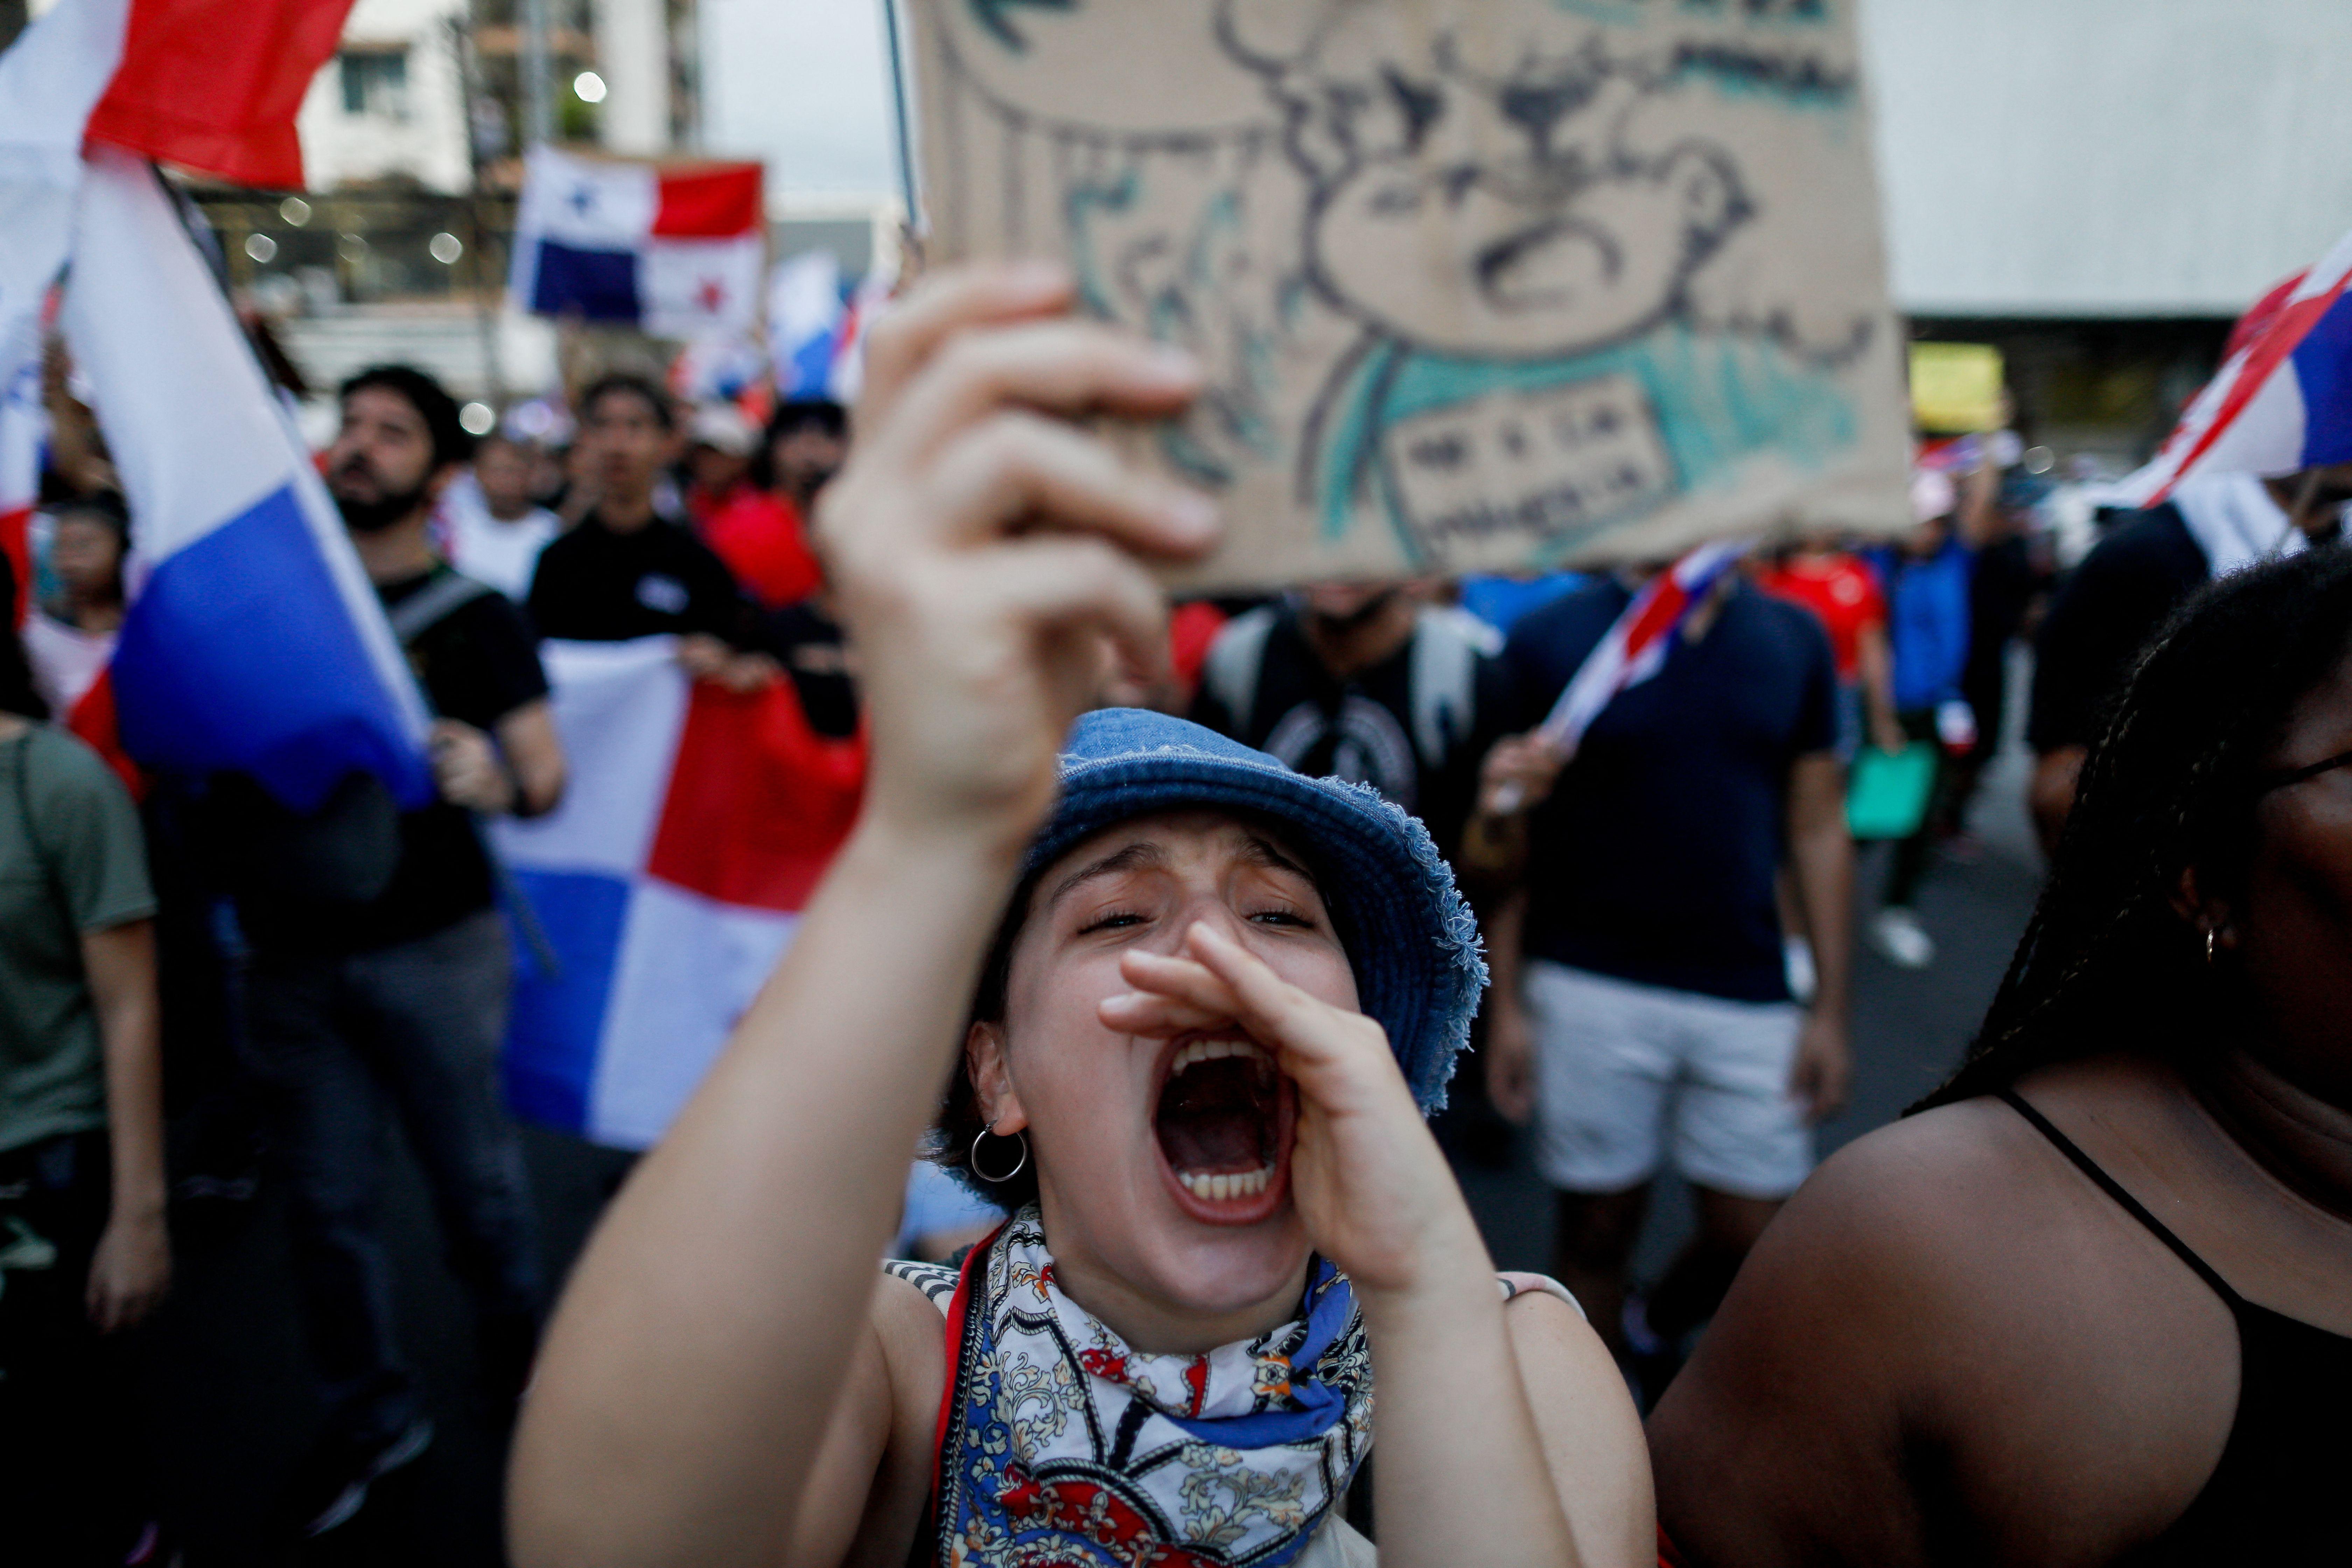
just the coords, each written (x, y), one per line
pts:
(1886, 794)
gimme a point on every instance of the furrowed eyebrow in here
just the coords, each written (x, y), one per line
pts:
(1133, 857)
(1260, 852)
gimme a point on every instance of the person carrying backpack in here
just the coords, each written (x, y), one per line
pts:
(1365, 681)
(378, 974)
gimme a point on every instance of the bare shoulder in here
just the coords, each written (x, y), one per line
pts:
(864, 1499)
(1946, 1330)
(1591, 1436)
(909, 1328)
(1786, 1438)
(1920, 1195)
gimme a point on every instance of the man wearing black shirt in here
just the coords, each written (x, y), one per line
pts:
(2128, 588)
(626, 571)
(1366, 682)
(1640, 1006)
(379, 974)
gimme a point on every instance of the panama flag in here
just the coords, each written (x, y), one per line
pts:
(674, 249)
(255, 644)
(816, 330)
(50, 81)
(20, 474)
(654, 900)
(1635, 645)
(2281, 402)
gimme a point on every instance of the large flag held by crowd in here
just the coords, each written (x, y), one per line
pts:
(677, 251)
(654, 901)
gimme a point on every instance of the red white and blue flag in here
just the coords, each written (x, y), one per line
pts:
(658, 897)
(2282, 401)
(22, 424)
(677, 251)
(1634, 647)
(254, 642)
(816, 328)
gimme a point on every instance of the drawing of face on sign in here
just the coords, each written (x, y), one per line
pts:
(1527, 210)
(1477, 192)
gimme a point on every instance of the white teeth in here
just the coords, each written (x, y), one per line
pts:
(1219, 1185)
(1198, 1051)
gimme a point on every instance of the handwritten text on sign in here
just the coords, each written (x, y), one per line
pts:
(1544, 467)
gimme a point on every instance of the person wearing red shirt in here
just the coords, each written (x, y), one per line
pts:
(762, 534)
(1845, 596)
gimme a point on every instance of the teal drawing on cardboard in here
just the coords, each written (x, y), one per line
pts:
(1493, 283)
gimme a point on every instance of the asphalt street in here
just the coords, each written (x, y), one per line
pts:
(228, 1414)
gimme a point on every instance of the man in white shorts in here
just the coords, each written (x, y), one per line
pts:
(1641, 1005)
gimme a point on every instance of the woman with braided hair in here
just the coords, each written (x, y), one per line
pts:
(2093, 1302)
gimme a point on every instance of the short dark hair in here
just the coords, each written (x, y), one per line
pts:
(961, 1121)
(2108, 962)
(794, 412)
(102, 506)
(642, 387)
(432, 402)
(791, 415)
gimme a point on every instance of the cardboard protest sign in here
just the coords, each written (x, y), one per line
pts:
(1481, 284)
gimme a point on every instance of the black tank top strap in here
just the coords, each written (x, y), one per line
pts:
(2131, 1206)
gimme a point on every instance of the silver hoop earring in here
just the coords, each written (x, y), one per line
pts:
(973, 1158)
(2213, 939)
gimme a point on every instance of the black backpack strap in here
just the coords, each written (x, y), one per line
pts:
(433, 603)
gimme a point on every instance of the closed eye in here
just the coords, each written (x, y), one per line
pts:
(1112, 920)
(1283, 917)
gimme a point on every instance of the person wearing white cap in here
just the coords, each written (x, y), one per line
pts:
(719, 442)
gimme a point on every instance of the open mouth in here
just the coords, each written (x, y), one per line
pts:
(1224, 1124)
(1544, 266)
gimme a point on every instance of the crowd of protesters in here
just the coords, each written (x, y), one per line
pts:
(1669, 909)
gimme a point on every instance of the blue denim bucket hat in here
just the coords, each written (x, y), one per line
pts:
(1411, 938)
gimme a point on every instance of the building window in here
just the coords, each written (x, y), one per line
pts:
(375, 81)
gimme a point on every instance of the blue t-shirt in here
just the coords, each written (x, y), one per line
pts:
(1500, 602)
(1654, 860)
(1926, 622)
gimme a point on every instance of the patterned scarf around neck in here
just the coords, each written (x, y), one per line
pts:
(1059, 1445)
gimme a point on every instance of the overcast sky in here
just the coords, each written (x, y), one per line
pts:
(805, 84)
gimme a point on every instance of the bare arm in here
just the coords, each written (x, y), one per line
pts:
(1510, 1039)
(1464, 1476)
(535, 756)
(1878, 688)
(1515, 777)
(1784, 1440)
(1591, 1436)
(705, 1343)
(524, 774)
(133, 1265)
(1978, 517)
(1820, 852)
(2050, 795)
(872, 1472)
